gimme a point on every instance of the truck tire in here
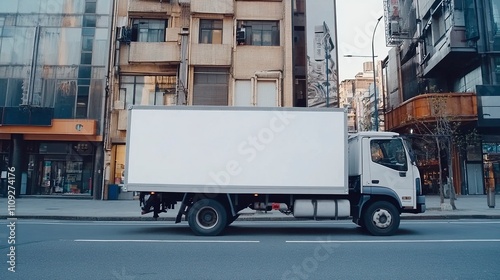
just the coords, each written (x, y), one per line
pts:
(381, 218)
(207, 217)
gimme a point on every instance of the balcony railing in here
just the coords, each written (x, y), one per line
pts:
(141, 6)
(211, 54)
(155, 52)
(212, 7)
(249, 59)
(457, 107)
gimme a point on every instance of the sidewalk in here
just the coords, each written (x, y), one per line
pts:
(469, 207)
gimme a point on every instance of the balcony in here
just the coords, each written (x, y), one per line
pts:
(449, 54)
(210, 54)
(263, 10)
(251, 59)
(155, 52)
(224, 7)
(143, 6)
(460, 107)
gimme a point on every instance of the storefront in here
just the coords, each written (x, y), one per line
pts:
(64, 168)
(55, 168)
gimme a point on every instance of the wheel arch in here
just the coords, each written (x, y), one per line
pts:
(222, 198)
(380, 194)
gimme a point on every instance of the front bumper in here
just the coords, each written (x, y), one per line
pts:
(420, 206)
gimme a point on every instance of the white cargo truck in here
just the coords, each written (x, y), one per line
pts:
(214, 162)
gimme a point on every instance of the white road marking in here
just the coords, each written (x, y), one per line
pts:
(106, 223)
(166, 241)
(464, 221)
(395, 241)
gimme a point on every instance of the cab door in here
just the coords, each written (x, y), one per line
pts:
(387, 166)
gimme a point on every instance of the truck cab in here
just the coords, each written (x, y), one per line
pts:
(382, 167)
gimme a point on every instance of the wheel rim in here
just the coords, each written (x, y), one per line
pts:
(207, 217)
(382, 218)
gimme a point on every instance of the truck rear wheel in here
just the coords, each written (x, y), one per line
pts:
(207, 217)
(381, 218)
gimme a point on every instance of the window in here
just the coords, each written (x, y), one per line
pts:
(471, 23)
(65, 99)
(389, 153)
(265, 93)
(258, 33)
(3, 91)
(210, 86)
(210, 31)
(82, 101)
(90, 7)
(148, 30)
(14, 92)
(146, 90)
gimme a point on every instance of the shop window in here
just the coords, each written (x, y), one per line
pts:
(210, 31)
(258, 33)
(148, 30)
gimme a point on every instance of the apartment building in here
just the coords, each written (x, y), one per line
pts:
(53, 68)
(210, 53)
(447, 51)
(358, 97)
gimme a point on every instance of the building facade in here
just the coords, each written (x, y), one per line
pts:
(442, 70)
(204, 52)
(53, 68)
(358, 97)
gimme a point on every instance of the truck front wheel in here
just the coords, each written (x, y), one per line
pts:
(381, 218)
(207, 217)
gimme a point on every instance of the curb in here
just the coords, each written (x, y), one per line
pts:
(241, 218)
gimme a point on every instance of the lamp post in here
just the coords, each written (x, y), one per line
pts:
(375, 74)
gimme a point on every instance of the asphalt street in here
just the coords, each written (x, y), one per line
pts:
(440, 249)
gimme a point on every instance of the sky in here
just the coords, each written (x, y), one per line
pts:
(356, 21)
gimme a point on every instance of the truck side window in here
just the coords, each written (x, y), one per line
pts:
(389, 153)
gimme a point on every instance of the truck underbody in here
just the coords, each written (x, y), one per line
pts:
(209, 214)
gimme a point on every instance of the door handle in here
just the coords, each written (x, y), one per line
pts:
(375, 181)
(402, 174)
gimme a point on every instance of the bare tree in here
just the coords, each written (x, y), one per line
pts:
(442, 130)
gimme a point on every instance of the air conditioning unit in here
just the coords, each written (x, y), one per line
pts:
(240, 35)
(123, 34)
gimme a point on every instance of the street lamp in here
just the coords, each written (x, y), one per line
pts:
(375, 74)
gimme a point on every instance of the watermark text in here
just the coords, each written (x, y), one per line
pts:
(11, 210)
